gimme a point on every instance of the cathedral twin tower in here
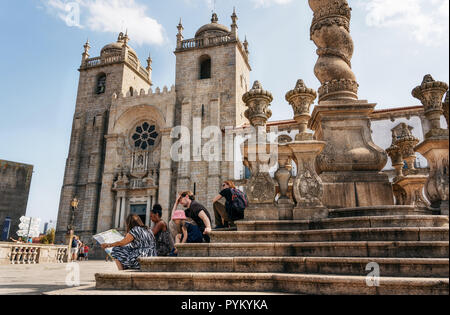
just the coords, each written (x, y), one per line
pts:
(119, 158)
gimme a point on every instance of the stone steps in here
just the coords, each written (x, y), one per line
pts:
(377, 211)
(343, 223)
(389, 267)
(271, 282)
(318, 249)
(346, 235)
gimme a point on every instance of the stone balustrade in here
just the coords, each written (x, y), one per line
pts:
(204, 42)
(29, 254)
(110, 59)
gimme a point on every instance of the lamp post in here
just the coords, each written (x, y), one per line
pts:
(70, 228)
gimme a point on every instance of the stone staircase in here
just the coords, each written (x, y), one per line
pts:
(328, 256)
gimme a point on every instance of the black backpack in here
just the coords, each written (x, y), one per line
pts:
(239, 202)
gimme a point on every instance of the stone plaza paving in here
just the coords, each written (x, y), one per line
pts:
(51, 280)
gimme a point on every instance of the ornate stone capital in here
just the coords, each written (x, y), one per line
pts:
(258, 101)
(301, 98)
(430, 94)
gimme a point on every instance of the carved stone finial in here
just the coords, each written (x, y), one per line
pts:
(430, 94)
(330, 31)
(215, 18)
(301, 99)
(258, 101)
(87, 46)
(246, 45)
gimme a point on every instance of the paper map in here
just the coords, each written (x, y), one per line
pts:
(108, 237)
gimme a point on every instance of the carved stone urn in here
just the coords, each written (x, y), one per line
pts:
(430, 94)
(301, 98)
(435, 147)
(408, 186)
(404, 139)
(283, 176)
(258, 101)
(396, 156)
(308, 187)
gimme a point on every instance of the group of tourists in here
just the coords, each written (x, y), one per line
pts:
(79, 250)
(192, 225)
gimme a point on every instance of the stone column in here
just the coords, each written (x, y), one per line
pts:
(123, 198)
(350, 165)
(117, 216)
(261, 189)
(408, 185)
(308, 187)
(435, 146)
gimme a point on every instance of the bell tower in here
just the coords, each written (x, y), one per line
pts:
(116, 70)
(212, 74)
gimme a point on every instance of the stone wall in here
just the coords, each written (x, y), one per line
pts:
(15, 180)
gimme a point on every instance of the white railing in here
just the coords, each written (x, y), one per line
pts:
(30, 254)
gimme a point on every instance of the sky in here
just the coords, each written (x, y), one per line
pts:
(396, 44)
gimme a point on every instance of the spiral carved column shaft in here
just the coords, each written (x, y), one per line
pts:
(330, 31)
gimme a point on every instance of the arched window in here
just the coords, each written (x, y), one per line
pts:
(101, 84)
(205, 67)
(131, 91)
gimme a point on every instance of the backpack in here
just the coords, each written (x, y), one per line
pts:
(238, 204)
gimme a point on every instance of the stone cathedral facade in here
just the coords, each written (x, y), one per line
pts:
(119, 159)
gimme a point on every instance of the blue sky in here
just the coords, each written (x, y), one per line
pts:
(396, 44)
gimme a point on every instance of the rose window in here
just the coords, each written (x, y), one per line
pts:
(145, 136)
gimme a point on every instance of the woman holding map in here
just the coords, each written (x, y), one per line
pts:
(139, 242)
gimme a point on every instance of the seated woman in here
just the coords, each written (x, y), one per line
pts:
(164, 240)
(188, 233)
(139, 242)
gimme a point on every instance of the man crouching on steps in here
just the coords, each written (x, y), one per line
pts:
(194, 210)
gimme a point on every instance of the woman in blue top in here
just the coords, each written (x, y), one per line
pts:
(139, 242)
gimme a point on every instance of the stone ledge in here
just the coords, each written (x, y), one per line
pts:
(271, 282)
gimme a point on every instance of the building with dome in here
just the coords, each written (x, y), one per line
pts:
(119, 159)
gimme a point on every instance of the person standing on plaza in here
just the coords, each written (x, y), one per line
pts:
(139, 242)
(164, 240)
(74, 249)
(195, 211)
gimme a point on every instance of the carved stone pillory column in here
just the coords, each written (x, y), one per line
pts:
(350, 165)
(408, 185)
(435, 147)
(308, 187)
(261, 188)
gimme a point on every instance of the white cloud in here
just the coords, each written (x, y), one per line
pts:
(112, 16)
(427, 21)
(268, 3)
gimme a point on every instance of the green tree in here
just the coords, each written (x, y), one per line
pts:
(49, 238)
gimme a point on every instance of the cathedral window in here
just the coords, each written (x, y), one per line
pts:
(205, 67)
(101, 84)
(145, 136)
